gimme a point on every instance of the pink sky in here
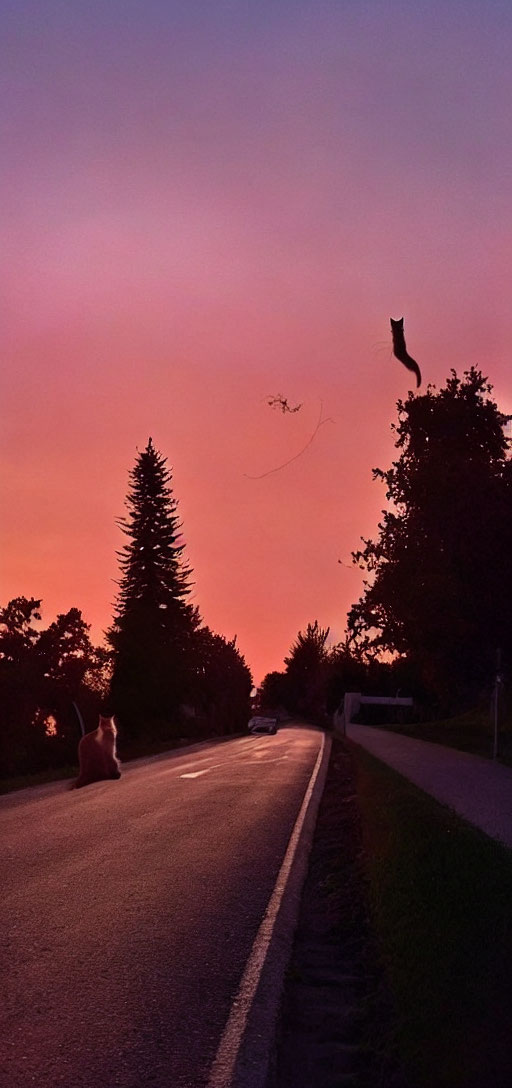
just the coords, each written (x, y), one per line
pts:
(201, 209)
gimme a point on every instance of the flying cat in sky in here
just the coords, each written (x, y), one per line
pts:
(399, 349)
(97, 754)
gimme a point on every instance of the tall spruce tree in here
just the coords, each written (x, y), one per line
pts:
(153, 628)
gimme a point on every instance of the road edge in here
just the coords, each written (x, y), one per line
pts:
(243, 1058)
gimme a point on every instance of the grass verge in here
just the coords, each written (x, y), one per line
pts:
(40, 778)
(440, 897)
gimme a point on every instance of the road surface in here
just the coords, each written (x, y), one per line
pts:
(129, 910)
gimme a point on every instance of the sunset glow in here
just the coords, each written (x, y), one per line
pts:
(208, 205)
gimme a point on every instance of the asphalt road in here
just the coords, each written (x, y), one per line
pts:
(129, 910)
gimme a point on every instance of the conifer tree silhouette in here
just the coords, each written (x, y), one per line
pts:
(153, 628)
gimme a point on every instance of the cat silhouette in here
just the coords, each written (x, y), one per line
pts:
(97, 755)
(399, 349)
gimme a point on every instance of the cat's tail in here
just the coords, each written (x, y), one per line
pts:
(403, 357)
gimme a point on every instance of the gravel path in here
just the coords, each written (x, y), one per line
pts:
(477, 789)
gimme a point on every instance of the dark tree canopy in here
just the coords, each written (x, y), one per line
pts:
(44, 675)
(305, 671)
(222, 685)
(273, 692)
(155, 577)
(440, 590)
(153, 625)
(17, 635)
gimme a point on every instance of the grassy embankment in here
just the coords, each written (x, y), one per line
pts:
(440, 896)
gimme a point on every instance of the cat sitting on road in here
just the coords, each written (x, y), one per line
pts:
(97, 754)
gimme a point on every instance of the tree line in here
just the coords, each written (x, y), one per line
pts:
(163, 673)
(433, 619)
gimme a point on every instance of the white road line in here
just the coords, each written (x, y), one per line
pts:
(229, 1046)
(228, 766)
(263, 762)
(177, 766)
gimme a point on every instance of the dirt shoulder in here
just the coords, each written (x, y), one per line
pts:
(336, 1027)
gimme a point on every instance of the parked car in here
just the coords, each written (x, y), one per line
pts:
(262, 724)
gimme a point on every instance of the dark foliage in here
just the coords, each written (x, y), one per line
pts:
(441, 584)
(222, 686)
(273, 693)
(171, 676)
(306, 668)
(345, 671)
(316, 677)
(45, 675)
(153, 629)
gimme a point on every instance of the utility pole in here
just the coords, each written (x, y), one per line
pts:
(495, 701)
